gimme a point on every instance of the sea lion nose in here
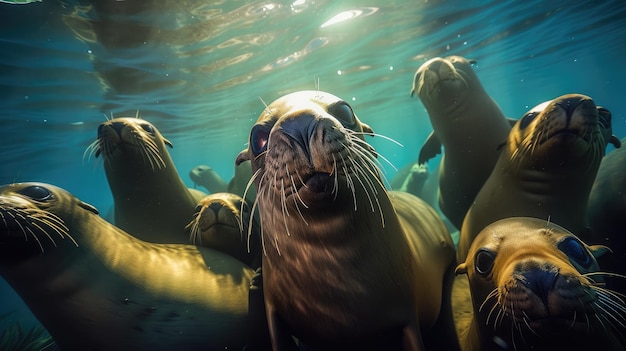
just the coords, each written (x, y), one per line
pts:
(570, 104)
(300, 129)
(541, 281)
(116, 126)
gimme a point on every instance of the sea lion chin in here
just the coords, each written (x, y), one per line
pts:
(334, 239)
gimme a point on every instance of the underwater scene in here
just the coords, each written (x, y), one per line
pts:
(312, 175)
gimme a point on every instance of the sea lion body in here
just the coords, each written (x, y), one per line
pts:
(411, 179)
(208, 178)
(222, 222)
(95, 287)
(536, 286)
(469, 125)
(345, 264)
(546, 169)
(606, 212)
(150, 199)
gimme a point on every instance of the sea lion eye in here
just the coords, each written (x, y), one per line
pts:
(483, 261)
(527, 119)
(258, 139)
(343, 113)
(36, 192)
(576, 251)
(148, 128)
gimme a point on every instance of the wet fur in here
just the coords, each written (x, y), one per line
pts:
(331, 235)
(151, 200)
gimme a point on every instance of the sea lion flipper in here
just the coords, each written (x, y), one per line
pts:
(430, 149)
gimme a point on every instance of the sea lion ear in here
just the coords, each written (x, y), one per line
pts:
(243, 156)
(472, 62)
(88, 207)
(461, 269)
(367, 129)
(168, 143)
(599, 250)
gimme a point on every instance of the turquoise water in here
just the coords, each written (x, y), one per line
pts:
(199, 70)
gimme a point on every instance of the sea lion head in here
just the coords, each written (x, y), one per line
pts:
(307, 149)
(132, 139)
(565, 133)
(35, 219)
(533, 282)
(445, 82)
(222, 222)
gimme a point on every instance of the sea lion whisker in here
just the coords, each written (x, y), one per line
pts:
(607, 313)
(616, 309)
(251, 181)
(91, 150)
(372, 169)
(297, 198)
(491, 295)
(615, 294)
(367, 191)
(283, 204)
(34, 236)
(525, 319)
(151, 152)
(376, 135)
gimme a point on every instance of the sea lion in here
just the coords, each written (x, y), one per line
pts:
(346, 265)
(207, 177)
(467, 122)
(546, 168)
(536, 286)
(222, 222)
(411, 179)
(151, 201)
(606, 213)
(95, 287)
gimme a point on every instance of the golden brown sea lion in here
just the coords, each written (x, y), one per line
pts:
(345, 265)
(546, 168)
(536, 286)
(222, 222)
(151, 200)
(469, 125)
(95, 287)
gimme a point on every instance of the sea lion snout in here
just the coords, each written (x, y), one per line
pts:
(300, 129)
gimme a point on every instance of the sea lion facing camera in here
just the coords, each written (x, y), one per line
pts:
(151, 201)
(536, 286)
(546, 168)
(469, 125)
(345, 264)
